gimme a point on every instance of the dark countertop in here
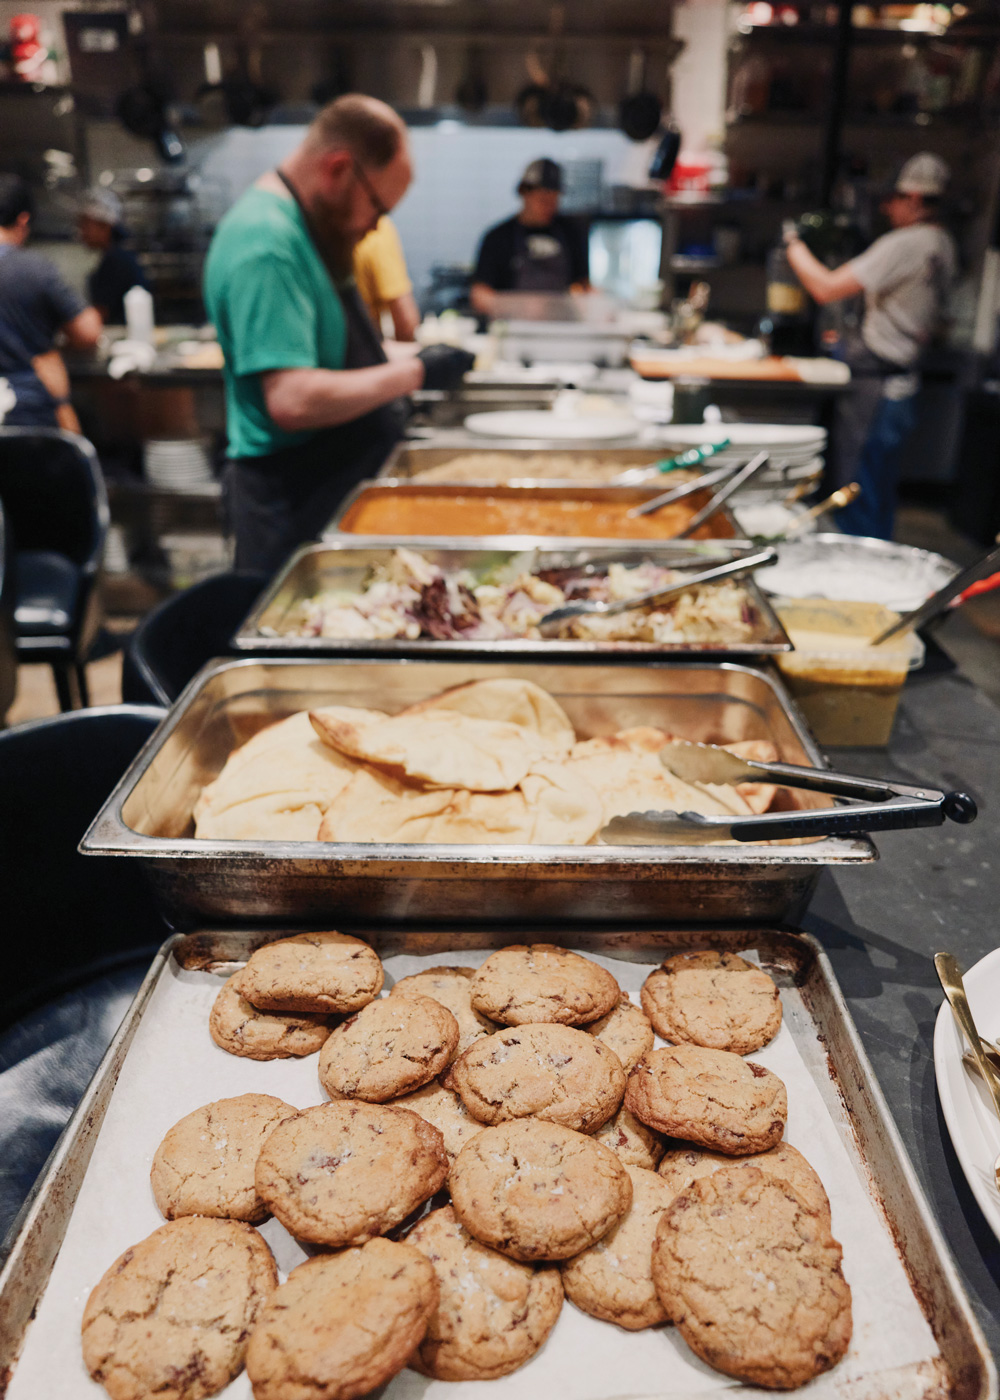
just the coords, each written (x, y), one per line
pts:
(932, 890)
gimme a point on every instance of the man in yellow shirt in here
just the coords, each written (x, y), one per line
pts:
(380, 272)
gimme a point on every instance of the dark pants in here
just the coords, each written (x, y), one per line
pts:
(870, 432)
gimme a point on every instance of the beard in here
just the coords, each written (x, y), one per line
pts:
(331, 225)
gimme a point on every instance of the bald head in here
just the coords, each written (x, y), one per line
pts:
(367, 129)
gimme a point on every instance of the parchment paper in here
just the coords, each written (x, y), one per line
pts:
(173, 1067)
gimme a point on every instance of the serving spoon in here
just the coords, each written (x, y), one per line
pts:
(950, 976)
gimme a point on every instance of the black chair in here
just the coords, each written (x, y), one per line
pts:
(174, 641)
(57, 508)
(8, 645)
(80, 930)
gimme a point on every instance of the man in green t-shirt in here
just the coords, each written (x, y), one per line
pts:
(312, 404)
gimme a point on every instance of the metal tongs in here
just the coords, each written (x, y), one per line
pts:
(738, 477)
(550, 624)
(883, 806)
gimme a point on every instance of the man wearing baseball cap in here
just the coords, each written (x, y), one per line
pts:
(905, 276)
(538, 250)
(99, 223)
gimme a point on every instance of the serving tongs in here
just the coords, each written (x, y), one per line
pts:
(883, 806)
(737, 478)
(550, 624)
(963, 585)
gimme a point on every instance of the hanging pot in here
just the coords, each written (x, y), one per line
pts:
(640, 110)
(530, 101)
(665, 156)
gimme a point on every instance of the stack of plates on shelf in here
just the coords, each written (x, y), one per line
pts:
(115, 551)
(178, 464)
(790, 445)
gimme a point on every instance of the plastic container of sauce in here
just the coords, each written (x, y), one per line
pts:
(847, 690)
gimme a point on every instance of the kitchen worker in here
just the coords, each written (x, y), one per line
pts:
(36, 306)
(538, 250)
(312, 405)
(99, 224)
(905, 276)
(383, 281)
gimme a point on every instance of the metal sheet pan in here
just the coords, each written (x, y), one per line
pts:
(721, 526)
(342, 564)
(915, 1334)
(148, 816)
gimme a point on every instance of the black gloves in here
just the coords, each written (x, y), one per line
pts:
(444, 366)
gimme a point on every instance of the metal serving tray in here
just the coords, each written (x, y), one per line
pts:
(915, 1334)
(149, 814)
(341, 564)
(411, 456)
(721, 526)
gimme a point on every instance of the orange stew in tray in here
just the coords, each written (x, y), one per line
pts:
(433, 512)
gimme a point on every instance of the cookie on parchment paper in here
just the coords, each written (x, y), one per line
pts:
(552, 1072)
(718, 1000)
(439, 1105)
(625, 1030)
(613, 1279)
(493, 1314)
(342, 1173)
(753, 1279)
(331, 973)
(391, 1047)
(205, 1163)
(172, 1315)
(452, 987)
(711, 1097)
(632, 1141)
(681, 1166)
(342, 1324)
(537, 1190)
(237, 1026)
(531, 984)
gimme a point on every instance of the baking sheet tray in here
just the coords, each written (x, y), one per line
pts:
(149, 814)
(914, 1333)
(343, 564)
(721, 526)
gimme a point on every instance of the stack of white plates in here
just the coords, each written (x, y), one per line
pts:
(178, 464)
(789, 444)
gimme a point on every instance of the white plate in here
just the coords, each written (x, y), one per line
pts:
(523, 423)
(965, 1102)
(748, 434)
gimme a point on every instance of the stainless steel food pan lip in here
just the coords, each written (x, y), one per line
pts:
(670, 553)
(108, 834)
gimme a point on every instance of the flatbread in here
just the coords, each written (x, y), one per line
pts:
(551, 807)
(627, 781)
(438, 748)
(515, 701)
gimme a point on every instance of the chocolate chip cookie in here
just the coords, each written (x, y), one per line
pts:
(205, 1164)
(522, 984)
(237, 1026)
(342, 1173)
(389, 1048)
(553, 1072)
(712, 1097)
(342, 1324)
(493, 1314)
(452, 987)
(681, 1166)
(626, 1031)
(613, 1279)
(718, 1000)
(538, 1190)
(752, 1279)
(327, 972)
(441, 1106)
(172, 1315)
(632, 1141)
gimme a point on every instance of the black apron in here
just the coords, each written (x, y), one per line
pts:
(855, 410)
(535, 271)
(278, 501)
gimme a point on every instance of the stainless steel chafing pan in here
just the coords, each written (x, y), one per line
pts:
(342, 563)
(149, 814)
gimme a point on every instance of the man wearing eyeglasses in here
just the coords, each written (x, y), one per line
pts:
(312, 404)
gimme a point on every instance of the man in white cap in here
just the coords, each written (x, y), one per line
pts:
(99, 222)
(905, 276)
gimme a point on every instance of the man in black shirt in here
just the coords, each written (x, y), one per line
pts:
(35, 305)
(538, 250)
(100, 224)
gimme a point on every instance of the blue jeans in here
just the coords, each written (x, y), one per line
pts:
(877, 470)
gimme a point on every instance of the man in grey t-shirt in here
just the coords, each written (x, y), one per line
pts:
(905, 276)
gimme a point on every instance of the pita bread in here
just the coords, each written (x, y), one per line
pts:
(438, 748)
(757, 796)
(637, 782)
(552, 807)
(285, 816)
(514, 701)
